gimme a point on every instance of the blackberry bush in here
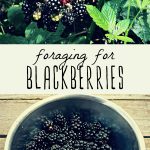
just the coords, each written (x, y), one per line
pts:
(50, 12)
(73, 134)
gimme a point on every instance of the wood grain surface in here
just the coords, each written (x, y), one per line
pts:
(138, 107)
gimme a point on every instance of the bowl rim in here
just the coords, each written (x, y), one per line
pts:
(53, 98)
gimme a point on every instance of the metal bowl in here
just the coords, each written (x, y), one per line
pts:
(126, 134)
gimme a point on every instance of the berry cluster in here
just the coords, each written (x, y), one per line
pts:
(48, 13)
(68, 133)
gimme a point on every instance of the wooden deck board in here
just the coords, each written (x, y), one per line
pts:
(137, 107)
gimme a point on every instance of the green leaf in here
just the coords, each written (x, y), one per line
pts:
(145, 3)
(109, 16)
(16, 18)
(139, 4)
(112, 37)
(142, 26)
(125, 39)
(35, 35)
(106, 19)
(9, 39)
(121, 26)
(42, 36)
(132, 3)
(97, 17)
(80, 40)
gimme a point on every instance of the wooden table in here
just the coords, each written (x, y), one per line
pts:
(138, 106)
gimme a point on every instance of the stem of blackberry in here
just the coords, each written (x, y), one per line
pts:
(1, 26)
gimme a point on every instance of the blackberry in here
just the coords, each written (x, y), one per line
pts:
(28, 9)
(68, 133)
(40, 23)
(81, 145)
(96, 126)
(53, 138)
(54, 6)
(40, 136)
(93, 146)
(68, 19)
(72, 135)
(61, 139)
(49, 23)
(55, 147)
(32, 146)
(105, 147)
(89, 134)
(79, 10)
(76, 123)
(60, 120)
(47, 124)
(67, 147)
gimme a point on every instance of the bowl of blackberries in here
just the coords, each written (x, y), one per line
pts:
(74, 122)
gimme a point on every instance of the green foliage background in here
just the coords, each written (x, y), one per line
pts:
(117, 23)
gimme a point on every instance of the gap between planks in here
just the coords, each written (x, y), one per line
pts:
(42, 96)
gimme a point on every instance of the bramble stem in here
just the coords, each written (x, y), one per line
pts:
(127, 32)
(2, 28)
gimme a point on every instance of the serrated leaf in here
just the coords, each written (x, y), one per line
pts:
(132, 3)
(139, 4)
(142, 26)
(109, 16)
(112, 37)
(97, 17)
(121, 26)
(145, 3)
(35, 35)
(42, 36)
(9, 39)
(125, 39)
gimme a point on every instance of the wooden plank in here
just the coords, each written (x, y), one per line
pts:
(138, 107)
(2, 143)
(147, 143)
(11, 109)
(42, 96)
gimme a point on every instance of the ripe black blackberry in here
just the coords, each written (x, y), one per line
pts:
(32, 146)
(68, 19)
(28, 8)
(54, 6)
(59, 119)
(52, 138)
(76, 123)
(89, 135)
(79, 10)
(55, 147)
(73, 134)
(62, 139)
(49, 23)
(40, 136)
(105, 147)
